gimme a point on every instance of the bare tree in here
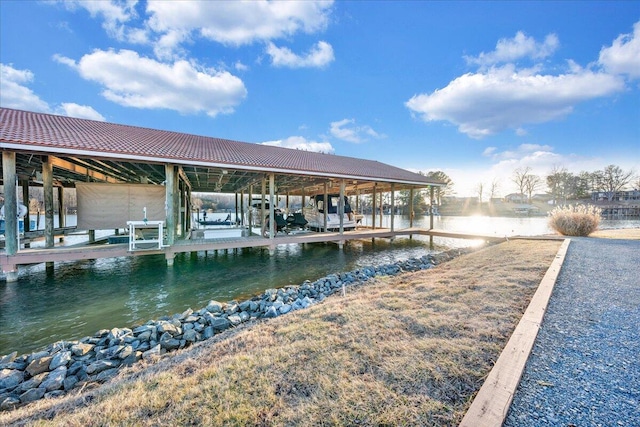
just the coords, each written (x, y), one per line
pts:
(532, 183)
(479, 192)
(493, 189)
(520, 178)
(614, 179)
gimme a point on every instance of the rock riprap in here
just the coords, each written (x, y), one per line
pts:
(66, 365)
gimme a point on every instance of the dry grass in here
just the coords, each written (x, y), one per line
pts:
(623, 233)
(578, 220)
(408, 350)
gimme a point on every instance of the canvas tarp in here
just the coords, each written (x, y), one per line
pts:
(106, 206)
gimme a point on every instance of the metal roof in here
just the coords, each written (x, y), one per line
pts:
(98, 151)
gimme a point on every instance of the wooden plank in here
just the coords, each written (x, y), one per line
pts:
(491, 404)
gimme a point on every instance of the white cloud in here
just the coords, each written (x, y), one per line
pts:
(319, 56)
(623, 56)
(134, 81)
(79, 111)
(520, 46)
(114, 13)
(301, 143)
(347, 130)
(234, 22)
(485, 103)
(14, 92)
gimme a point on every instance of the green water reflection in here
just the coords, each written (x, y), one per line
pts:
(79, 298)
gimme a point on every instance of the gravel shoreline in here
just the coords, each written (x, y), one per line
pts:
(584, 369)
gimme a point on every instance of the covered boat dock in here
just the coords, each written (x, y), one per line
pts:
(142, 180)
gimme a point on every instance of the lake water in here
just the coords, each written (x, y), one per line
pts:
(78, 298)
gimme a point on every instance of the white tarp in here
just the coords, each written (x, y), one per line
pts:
(105, 206)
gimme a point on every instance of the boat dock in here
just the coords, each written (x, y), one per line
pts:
(87, 250)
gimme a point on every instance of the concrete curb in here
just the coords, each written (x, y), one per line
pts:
(491, 404)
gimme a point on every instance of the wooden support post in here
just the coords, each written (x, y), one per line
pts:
(47, 182)
(324, 207)
(250, 195)
(393, 207)
(373, 208)
(10, 211)
(25, 201)
(381, 209)
(170, 202)
(272, 206)
(411, 212)
(431, 217)
(61, 210)
(341, 208)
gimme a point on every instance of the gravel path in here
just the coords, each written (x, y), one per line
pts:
(584, 369)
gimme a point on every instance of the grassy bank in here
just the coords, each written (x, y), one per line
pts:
(407, 350)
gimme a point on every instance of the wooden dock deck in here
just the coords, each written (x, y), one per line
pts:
(92, 251)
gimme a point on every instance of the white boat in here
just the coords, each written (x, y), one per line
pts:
(314, 213)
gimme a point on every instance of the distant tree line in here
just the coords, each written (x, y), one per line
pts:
(564, 185)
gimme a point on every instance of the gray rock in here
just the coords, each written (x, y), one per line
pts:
(106, 375)
(9, 403)
(270, 312)
(170, 344)
(32, 382)
(70, 382)
(37, 355)
(190, 336)
(214, 307)
(101, 365)
(39, 365)
(155, 351)
(81, 349)
(169, 328)
(145, 336)
(10, 378)
(284, 309)
(208, 332)
(32, 395)
(60, 359)
(125, 352)
(234, 319)
(75, 367)
(8, 358)
(220, 323)
(55, 379)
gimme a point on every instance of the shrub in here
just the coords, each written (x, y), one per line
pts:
(578, 220)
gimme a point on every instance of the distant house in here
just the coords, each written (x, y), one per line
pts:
(618, 196)
(515, 198)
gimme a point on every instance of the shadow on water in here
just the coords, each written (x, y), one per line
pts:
(77, 299)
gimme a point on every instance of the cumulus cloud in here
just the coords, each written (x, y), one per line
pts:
(134, 81)
(234, 23)
(301, 143)
(15, 94)
(623, 56)
(115, 15)
(319, 56)
(518, 47)
(485, 103)
(79, 111)
(502, 95)
(347, 130)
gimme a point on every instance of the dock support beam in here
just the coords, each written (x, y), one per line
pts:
(171, 202)
(10, 211)
(47, 187)
(431, 217)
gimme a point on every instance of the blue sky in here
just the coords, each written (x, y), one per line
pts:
(476, 89)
